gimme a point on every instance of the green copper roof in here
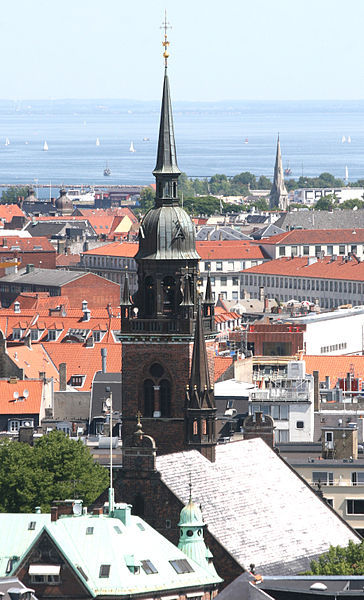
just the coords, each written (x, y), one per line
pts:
(89, 541)
(191, 515)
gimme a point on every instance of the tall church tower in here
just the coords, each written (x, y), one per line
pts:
(157, 326)
(278, 198)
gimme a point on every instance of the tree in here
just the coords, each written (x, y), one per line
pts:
(340, 561)
(324, 203)
(202, 205)
(147, 198)
(11, 194)
(264, 183)
(352, 203)
(55, 468)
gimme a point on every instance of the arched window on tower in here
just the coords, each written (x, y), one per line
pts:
(204, 427)
(149, 296)
(195, 428)
(148, 398)
(169, 287)
(165, 398)
(175, 189)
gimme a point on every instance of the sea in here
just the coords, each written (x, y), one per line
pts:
(221, 137)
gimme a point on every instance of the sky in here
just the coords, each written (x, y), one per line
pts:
(232, 50)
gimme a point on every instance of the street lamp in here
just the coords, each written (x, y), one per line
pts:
(108, 407)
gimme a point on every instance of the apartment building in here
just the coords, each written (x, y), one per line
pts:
(332, 281)
(315, 242)
(224, 260)
(112, 261)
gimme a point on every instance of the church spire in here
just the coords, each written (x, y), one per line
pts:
(278, 193)
(166, 170)
(200, 393)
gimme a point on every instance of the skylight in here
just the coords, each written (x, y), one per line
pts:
(104, 571)
(148, 567)
(181, 566)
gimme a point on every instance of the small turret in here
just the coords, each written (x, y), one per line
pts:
(191, 540)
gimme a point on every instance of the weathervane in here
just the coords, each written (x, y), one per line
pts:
(165, 25)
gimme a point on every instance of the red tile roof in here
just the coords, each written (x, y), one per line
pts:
(229, 249)
(8, 211)
(316, 236)
(22, 406)
(121, 249)
(325, 268)
(24, 244)
(222, 363)
(65, 260)
(84, 361)
(33, 361)
(116, 211)
(335, 367)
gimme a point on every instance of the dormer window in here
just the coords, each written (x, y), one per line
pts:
(148, 567)
(35, 334)
(77, 380)
(98, 335)
(18, 333)
(53, 334)
(104, 571)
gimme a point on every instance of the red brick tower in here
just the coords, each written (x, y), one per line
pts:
(157, 328)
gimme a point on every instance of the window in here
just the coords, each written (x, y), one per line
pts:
(235, 295)
(357, 478)
(207, 266)
(323, 477)
(355, 507)
(14, 426)
(235, 280)
(104, 571)
(53, 334)
(98, 335)
(89, 530)
(31, 525)
(317, 250)
(306, 250)
(148, 567)
(330, 250)
(282, 251)
(183, 566)
(18, 333)
(223, 280)
(117, 529)
(300, 425)
(34, 335)
(281, 435)
(341, 249)
(219, 265)
(354, 248)
(48, 579)
(293, 250)
(77, 380)
(230, 265)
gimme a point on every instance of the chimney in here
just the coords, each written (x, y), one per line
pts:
(261, 293)
(62, 377)
(311, 260)
(29, 268)
(266, 304)
(103, 359)
(327, 382)
(16, 306)
(54, 513)
(316, 391)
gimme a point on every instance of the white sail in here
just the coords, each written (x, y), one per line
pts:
(45, 146)
(131, 149)
(7, 142)
(349, 139)
(97, 142)
(343, 139)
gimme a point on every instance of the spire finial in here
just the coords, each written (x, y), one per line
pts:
(190, 486)
(165, 25)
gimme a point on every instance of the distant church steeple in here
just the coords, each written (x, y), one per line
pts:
(278, 195)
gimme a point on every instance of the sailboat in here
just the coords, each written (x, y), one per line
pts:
(107, 171)
(97, 142)
(131, 149)
(288, 170)
(7, 142)
(343, 139)
(45, 146)
(349, 139)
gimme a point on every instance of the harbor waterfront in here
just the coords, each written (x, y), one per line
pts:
(82, 136)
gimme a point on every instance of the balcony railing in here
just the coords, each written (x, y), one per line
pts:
(281, 395)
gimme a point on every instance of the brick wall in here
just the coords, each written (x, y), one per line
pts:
(96, 290)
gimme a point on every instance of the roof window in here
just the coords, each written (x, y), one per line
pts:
(141, 526)
(89, 530)
(148, 567)
(31, 525)
(104, 571)
(181, 566)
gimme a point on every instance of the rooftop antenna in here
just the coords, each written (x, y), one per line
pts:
(165, 25)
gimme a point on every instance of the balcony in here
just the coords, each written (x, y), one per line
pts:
(281, 395)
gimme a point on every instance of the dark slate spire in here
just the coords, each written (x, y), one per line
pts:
(125, 298)
(208, 295)
(278, 193)
(200, 391)
(166, 154)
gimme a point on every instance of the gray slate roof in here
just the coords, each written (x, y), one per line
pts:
(209, 232)
(322, 219)
(267, 231)
(47, 277)
(256, 506)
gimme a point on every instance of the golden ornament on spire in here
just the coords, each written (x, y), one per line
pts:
(165, 25)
